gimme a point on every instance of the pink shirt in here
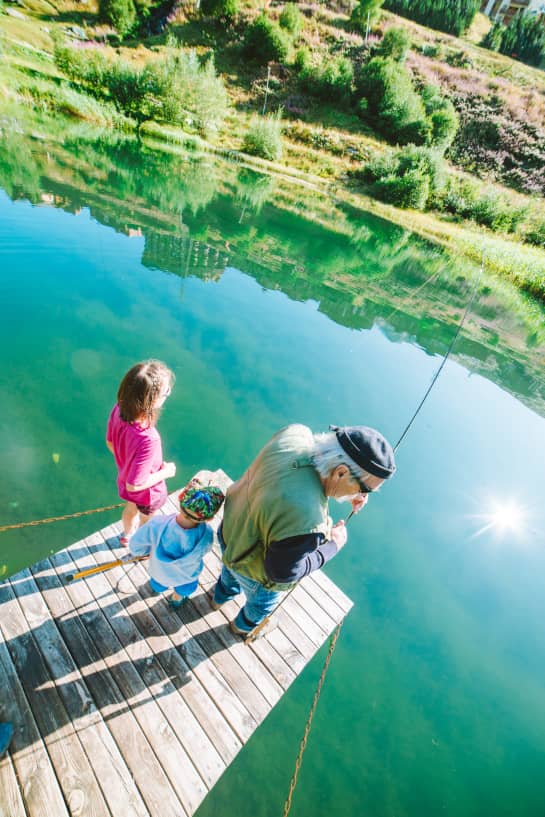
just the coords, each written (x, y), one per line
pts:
(138, 453)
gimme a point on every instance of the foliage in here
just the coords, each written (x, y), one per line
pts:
(442, 115)
(493, 36)
(264, 137)
(410, 177)
(536, 234)
(291, 19)
(330, 81)
(396, 44)
(494, 143)
(224, 9)
(465, 198)
(524, 38)
(452, 16)
(265, 41)
(365, 11)
(121, 14)
(393, 106)
(175, 88)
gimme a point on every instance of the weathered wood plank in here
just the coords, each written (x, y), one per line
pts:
(11, 799)
(38, 672)
(39, 785)
(117, 784)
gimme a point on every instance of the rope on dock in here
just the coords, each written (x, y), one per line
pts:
(303, 746)
(60, 518)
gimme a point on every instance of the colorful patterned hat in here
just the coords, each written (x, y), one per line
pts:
(201, 501)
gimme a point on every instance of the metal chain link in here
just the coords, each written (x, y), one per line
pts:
(60, 518)
(303, 746)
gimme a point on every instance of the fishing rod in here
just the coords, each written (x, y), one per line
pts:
(82, 574)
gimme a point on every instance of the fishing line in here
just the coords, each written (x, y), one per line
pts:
(445, 358)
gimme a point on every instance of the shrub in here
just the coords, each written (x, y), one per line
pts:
(302, 59)
(536, 234)
(392, 102)
(443, 119)
(291, 19)
(226, 9)
(365, 12)
(524, 38)
(493, 37)
(410, 177)
(331, 81)
(121, 14)
(395, 44)
(452, 16)
(264, 137)
(265, 41)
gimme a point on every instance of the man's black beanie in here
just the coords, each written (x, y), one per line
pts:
(368, 448)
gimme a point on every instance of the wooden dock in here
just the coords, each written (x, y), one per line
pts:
(124, 707)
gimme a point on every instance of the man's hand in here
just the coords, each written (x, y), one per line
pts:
(339, 534)
(359, 502)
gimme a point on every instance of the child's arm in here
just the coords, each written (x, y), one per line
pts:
(167, 470)
(109, 445)
(143, 540)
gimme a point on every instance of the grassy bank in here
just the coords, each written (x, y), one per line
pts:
(323, 149)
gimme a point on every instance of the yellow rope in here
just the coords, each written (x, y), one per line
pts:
(303, 746)
(59, 518)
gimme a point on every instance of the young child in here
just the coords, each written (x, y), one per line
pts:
(136, 445)
(178, 543)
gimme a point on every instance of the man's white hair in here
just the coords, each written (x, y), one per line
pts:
(328, 454)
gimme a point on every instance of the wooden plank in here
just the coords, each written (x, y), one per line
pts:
(39, 785)
(170, 778)
(210, 712)
(117, 784)
(334, 592)
(158, 651)
(77, 780)
(313, 588)
(11, 799)
(238, 715)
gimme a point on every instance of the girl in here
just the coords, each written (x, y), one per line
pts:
(136, 445)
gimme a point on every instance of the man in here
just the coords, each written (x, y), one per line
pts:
(276, 527)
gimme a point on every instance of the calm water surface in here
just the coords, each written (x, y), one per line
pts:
(273, 305)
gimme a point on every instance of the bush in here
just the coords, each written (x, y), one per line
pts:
(291, 19)
(493, 37)
(393, 105)
(225, 9)
(464, 198)
(365, 11)
(395, 44)
(411, 177)
(452, 16)
(331, 81)
(121, 14)
(536, 234)
(443, 119)
(265, 41)
(302, 59)
(264, 137)
(524, 38)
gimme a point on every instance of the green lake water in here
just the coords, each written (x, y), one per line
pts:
(274, 304)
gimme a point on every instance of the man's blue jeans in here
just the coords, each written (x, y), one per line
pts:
(260, 602)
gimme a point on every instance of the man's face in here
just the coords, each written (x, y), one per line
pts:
(348, 486)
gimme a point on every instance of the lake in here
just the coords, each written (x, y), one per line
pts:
(275, 303)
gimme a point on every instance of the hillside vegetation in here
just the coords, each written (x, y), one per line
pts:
(448, 135)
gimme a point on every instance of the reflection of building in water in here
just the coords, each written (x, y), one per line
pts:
(183, 255)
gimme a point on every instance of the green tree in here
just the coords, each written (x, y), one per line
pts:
(291, 19)
(410, 177)
(366, 11)
(266, 41)
(224, 9)
(120, 14)
(493, 36)
(395, 43)
(264, 137)
(452, 16)
(524, 38)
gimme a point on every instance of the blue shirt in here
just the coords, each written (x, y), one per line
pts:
(176, 553)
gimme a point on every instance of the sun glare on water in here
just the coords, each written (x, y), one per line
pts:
(502, 518)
